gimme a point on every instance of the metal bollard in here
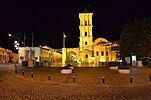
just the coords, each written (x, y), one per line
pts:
(32, 75)
(23, 73)
(15, 71)
(48, 76)
(15, 68)
(131, 79)
(74, 79)
(103, 80)
(149, 77)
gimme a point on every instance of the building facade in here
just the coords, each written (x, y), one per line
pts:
(89, 51)
(7, 56)
(43, 55)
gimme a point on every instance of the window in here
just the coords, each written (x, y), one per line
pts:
(21, 58)
(107, 53)
(97, 53)
(102, 53)
(51, 60)
(85, 22)
(86, 34)
(86, 55)
(36, 58)
(92, 53)
(85, 43)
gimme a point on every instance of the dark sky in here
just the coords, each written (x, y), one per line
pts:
(49, 19)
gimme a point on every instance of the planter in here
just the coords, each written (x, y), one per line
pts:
(66, 71)
(124, 71)
(114, 67)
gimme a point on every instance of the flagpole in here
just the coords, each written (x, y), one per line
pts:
(63, 40)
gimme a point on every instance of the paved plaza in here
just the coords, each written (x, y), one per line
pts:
(88, 84)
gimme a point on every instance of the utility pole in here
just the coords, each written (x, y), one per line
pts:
(24, 39)
(32, 39)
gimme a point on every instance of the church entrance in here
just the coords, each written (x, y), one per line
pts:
(71, 57)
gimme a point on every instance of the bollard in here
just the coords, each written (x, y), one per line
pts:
(149, 77)
(103, 80)
(74, 79)
(23, 73)
(15, 71)
(131, 79)
(15, 68)
(32, 75)
(48, 76)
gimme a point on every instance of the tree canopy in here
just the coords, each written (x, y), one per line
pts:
(136, 38)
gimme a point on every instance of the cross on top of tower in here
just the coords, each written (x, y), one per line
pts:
(86, 9)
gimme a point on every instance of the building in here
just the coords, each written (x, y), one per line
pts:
(44, 55)
(89, 51)
(7, 56)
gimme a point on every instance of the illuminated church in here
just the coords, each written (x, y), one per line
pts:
(89, 51)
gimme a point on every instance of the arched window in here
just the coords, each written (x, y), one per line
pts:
(86, 55)
(92, 53)
(86, 34)
(97, 53)
(107, 53)
(102, 53)
(85, 43)
(86, 23)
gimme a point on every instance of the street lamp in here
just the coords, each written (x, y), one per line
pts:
(64, 51)
(64, 36)
(10, 35)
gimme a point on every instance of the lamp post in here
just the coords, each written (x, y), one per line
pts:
(24, 39)
(10, 35)
(18, 43)
(64, 36)
(64, 51)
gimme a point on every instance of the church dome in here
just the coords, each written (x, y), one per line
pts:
(100, 41)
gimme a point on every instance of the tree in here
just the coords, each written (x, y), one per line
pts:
(136, 38)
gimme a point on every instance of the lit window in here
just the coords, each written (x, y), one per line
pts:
(85, 43)
(86, 55)
(97, 53)
(102, 53)
(86, 34)
(107, 53)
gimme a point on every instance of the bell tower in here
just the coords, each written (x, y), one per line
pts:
(85, 27)
(86, 38)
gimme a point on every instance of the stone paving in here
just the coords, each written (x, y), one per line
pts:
(88, 85)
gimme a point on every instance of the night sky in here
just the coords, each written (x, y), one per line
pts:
(49, 19)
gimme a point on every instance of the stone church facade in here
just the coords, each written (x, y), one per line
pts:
(89, 51)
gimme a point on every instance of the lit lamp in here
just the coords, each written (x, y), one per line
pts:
(16, 45)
